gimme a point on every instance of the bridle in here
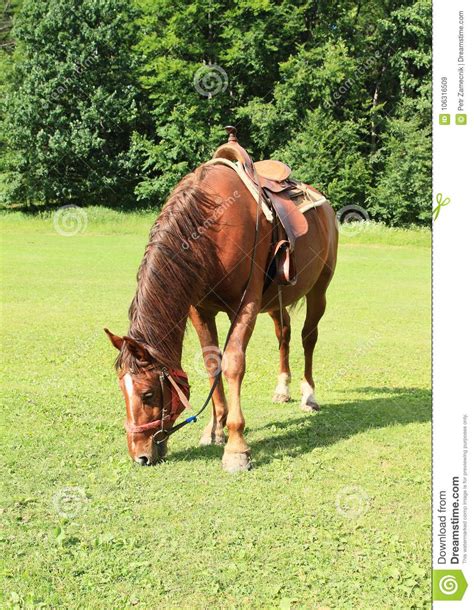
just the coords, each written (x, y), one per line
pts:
(180, 390)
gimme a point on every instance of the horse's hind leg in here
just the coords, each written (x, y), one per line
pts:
(205, 325)
(283, 333)
(315, 306)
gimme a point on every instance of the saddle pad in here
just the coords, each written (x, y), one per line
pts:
(304, 196)
(239, 169)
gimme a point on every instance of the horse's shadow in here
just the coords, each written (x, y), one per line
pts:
(335, 422)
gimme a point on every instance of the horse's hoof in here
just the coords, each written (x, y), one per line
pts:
(212, 438)
(310, 406)
(236, 462)
(277, 397)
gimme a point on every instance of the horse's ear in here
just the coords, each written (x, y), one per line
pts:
(138, 350)
(116, 341)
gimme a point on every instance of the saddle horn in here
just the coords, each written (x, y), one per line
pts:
(232, 131)
(232, 151)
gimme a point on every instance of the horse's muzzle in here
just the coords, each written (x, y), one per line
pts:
(150, 455)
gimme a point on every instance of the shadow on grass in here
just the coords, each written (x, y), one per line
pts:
(300, 433)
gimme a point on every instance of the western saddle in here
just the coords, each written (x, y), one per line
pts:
(285, 201)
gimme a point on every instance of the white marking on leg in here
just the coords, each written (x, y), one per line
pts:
(282, 391)
(283, 385)
(307, 393)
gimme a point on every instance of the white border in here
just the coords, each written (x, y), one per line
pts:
(453, 272)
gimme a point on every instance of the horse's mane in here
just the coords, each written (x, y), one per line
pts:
(174, 271)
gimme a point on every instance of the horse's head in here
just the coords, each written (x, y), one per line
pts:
(154, 398)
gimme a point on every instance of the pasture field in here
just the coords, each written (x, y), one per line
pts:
(336, 512)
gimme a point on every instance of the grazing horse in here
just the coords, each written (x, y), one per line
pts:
(202, 258)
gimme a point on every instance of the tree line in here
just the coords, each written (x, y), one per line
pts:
(111, 102)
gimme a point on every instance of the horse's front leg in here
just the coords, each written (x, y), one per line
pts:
(237, 453)
(205, 326)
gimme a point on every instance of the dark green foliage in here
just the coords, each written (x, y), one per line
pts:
(7, 46)
(340, 90)
(73, 103)
(401, 194)
(328, 154)
(332, 88)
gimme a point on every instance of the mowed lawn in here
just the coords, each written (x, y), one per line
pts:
(335, 513)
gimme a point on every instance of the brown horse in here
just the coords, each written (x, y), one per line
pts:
(198, 262)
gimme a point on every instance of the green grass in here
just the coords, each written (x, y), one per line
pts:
(185, 534)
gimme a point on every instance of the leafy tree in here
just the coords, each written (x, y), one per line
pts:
(73, 102)
(401, 194)
(327, 86)
(329, 155)
(109, 100)
(201, 63)
(7, 46)
(402, 164)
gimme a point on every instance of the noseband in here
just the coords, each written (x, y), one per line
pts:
(180, 391)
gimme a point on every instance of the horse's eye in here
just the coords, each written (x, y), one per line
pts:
(147, 396)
